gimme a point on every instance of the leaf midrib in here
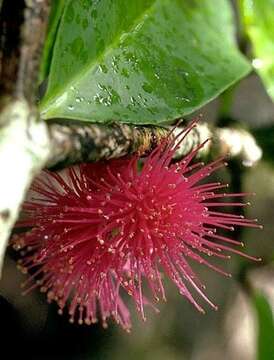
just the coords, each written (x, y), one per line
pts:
(139, 19)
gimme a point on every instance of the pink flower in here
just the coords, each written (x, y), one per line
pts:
(99, 229)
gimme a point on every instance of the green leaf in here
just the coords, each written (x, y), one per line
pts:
(141, 62)
(57, 8)
(265, 345)
(258, 19)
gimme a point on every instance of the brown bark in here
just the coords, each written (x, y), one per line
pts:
(77, 142)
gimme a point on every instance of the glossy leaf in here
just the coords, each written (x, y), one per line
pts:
(265, 321)
(142, 62)
(258, 18)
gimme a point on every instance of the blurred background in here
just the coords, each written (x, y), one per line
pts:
(242, 328)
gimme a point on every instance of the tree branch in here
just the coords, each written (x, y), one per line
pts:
(73, 143)
(24, 141)
(78, 142)
(34, 30)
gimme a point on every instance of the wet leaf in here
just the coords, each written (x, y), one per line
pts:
(141, 62)
(265, 320)
(258, 18)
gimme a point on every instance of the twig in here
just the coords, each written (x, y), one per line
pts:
(76, 142)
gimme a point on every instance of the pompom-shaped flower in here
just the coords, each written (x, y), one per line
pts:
(99, 229)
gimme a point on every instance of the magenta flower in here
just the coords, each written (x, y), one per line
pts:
(101, 229)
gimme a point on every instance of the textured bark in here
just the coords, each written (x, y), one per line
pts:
(34, 31)
(75, 142)
(78, 142)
